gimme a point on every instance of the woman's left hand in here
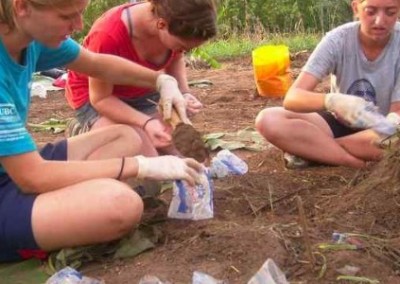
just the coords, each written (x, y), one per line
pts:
(158, 133)
(193, 105)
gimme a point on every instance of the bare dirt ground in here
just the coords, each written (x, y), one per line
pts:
(257, 215)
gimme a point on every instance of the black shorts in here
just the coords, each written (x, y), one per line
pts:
(338, 128)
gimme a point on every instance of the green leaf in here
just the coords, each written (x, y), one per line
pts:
(232, 145)
(357, 279)
(133, 245)
(50, 125)
(255, 148)
(215, 135)
(246, 138)
(213, 143)
(26, 272)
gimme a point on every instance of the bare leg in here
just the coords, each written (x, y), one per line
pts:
(305, 135)
(140, 144)
(92, 211)
(86, 213)
(360, 145)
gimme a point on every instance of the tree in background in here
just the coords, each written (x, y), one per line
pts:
(257, 16)
(282, 16)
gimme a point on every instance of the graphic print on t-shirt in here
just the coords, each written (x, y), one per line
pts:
(364, 89)
(11, 126)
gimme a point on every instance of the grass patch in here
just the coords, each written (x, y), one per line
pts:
(221, 49)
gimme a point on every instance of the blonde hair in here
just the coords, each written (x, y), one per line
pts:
(7, 15)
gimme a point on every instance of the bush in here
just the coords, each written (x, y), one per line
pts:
(281, 16)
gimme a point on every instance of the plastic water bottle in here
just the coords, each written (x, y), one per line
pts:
(226, 163)
(68, 275)
(372, 118)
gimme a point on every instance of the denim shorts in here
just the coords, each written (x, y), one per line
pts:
(16, 234)
(87, 115)
(338, 128)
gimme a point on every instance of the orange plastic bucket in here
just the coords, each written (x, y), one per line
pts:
(271, 65)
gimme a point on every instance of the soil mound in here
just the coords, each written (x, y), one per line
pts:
(189, 143)
(374, 203)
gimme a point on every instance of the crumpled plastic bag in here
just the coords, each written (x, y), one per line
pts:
(225, 163)
(192, 202)
(269, 273)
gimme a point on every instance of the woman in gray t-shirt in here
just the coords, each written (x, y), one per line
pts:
(363, 59)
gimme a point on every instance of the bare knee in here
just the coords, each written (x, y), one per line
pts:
(130, 138)
(124, 210)
(268, 122)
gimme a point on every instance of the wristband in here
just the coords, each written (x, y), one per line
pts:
(122, 169)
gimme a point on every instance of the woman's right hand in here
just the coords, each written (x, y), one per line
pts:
(169, 168)
(350, 109)
(171, 97)
(158, 133)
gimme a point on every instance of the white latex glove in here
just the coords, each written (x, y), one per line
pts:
(169, 168)
(353, 111)
(394, 118)
(386, 141)
(193, 105)
(171, 96)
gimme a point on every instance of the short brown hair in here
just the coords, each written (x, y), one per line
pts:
(188, 19)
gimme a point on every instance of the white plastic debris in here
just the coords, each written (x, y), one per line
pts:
(68, 275)
(225, 163)
(202, 278)
(38, 90)
(192, 202)
(269, 273)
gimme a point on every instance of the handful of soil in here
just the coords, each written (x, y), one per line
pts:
(187, 140)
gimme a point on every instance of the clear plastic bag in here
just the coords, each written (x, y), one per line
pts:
(202, 278)
(68, 275)
(225, 163)
(269, 273)
(192, 202)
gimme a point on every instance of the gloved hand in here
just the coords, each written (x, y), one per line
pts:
(193, 105)
(394, 118)
(386, 141)
(352, 110)
(169, 168)
(171, 96)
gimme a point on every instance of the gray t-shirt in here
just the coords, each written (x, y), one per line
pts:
(340, 54)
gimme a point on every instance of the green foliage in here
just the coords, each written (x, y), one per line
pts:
(246, 24)
(95, 9)
(266, 16)
(203, 55)
(234, 46)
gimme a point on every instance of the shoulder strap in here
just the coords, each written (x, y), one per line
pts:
(128, 15)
